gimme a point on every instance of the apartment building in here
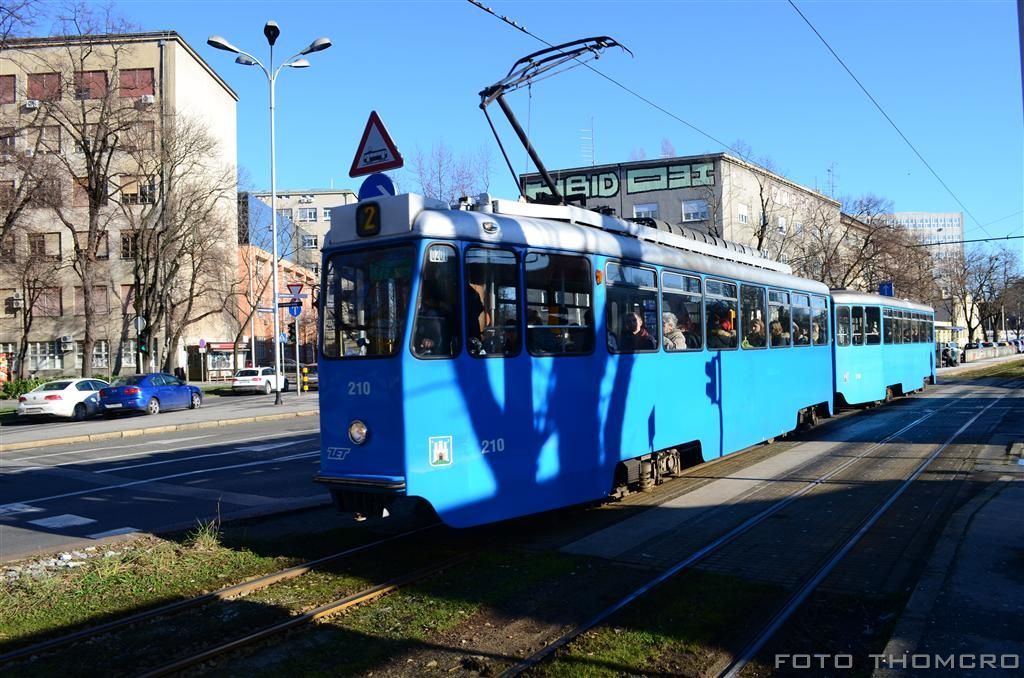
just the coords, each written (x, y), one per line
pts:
(109, 146)
(943, 231)
(310, 212)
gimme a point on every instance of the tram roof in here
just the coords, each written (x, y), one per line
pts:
(866, 298)
(579, 231)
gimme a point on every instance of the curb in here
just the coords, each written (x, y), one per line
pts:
(911, 626)
(133, 433)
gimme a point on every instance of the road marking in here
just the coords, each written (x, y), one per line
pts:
(149, 481)
(114, 447)
(15, 509)
(113, 533)
(64, 520)
(263, 448)
(141, 453)
(198, 456)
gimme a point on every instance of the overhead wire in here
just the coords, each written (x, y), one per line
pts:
(662, 109)
(886, 116)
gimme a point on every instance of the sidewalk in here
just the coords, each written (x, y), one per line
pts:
(216, 411)
(968, 606)
(977, 365)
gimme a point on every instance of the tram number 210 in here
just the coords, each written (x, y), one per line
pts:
(494, 445)
(359, 388)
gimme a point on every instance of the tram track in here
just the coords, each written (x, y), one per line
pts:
(810, 583)
(226, 593)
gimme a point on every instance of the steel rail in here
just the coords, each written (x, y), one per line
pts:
(225, 593)
(333, 607)
(812, 582)
(711, 548)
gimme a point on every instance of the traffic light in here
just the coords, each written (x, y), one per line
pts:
(142, 346)
(291, 333)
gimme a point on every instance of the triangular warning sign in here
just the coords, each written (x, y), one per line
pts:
(376, 152)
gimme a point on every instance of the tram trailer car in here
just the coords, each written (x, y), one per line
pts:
(515, 358)
(884, 347)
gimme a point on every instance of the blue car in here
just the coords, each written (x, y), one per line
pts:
(149, 393)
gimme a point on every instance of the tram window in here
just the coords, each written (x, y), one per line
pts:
(753, 315)
(897, 328)
(680, 312)
(930, 324)
(720, 310)
(915, 331)
(872, 324)
(492, 303)
(819, 321)
(367, 298)
(857, 325)
(904, 327)
(801, 320)
(842, 326)
(778, 318)
(887, 325)
(632, 310)
(436, 330)
(559, 304)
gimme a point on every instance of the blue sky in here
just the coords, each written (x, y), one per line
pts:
(948, 73)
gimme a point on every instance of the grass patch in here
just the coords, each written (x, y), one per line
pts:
(1007, 370)
(143, 573)
(681, 628)
(368, 636)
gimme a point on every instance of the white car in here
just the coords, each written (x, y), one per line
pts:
(257, 379)
(75, 398)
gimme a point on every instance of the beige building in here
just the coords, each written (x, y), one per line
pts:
(715, 193)
(310, 212)
(117, 154)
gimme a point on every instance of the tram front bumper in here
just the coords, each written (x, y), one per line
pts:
(364, 495)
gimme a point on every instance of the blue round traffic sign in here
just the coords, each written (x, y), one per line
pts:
(377, 186)
(294, 311)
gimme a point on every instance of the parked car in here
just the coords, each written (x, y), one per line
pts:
(950, 354)
(312, 378)
(257, 380)
(74, 398)
(149, 393)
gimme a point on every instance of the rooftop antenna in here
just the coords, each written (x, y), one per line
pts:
(527, 71)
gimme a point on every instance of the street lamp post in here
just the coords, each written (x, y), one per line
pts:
(272, 31)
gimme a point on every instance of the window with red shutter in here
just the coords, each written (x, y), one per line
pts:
(136, 82)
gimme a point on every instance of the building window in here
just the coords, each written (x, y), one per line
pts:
(128, 353)
(44, 246)
(695, 210)
(43, 355)
(744, 214)
(47, 193)
(48, 303)
(138, 190)
(307, 214)
(90, 84)
(44, 86)
(80, 193)
(8, 89)
(100, 300)
(100, 354)
(8, 140)
(7, 249)
(127, 299)
(141, 136)
(129, 244)
(647, 210)
(284, 214)
(781, 222)
(9, 303)
(310, 241)
(6, 192)
(136, 82)
(102, 244)
(45, 139)
(326, 212)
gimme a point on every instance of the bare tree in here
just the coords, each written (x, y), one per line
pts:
(976, 284)
(183, 269)
(33, 272)
(16, 18)
(667, 149)
(86, 114)
(443, 175)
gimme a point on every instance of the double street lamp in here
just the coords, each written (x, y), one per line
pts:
(271, 30)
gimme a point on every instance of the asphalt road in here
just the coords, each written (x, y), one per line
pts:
(57, 497)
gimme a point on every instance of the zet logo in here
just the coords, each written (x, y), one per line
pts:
(440, 450)
(338, 453)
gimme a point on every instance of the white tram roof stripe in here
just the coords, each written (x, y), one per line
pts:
(866, 298)
(574, 238)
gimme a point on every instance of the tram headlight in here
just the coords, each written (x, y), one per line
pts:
(357, 432)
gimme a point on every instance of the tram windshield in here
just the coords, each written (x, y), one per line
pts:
(366, 295)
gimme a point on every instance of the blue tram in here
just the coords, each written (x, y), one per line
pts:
(509, 358)
(884, 347)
